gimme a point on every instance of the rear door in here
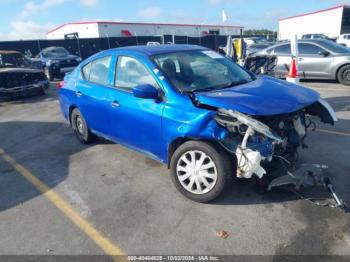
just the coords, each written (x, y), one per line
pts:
(92, 92)
(312, 61)
(283, 53)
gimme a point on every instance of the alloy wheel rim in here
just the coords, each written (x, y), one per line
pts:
(80, 125)
(196, 172)
(347, 75)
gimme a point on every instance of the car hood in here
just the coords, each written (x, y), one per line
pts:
(264, 96)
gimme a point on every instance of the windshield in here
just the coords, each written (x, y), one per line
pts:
(13, 60)
(321, 36)
(334, 47)
(201, 70)
(55, 52)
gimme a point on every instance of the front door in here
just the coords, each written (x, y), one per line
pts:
(313, 61)
(135, 122)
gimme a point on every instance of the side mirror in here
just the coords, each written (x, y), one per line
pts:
(324, 53)
(145, 91)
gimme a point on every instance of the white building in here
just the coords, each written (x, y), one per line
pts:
(114, 29)
(332, 22)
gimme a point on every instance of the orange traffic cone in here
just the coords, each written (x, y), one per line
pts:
(293, 75)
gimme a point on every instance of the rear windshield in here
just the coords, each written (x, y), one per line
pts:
(55, 52)
(334, 47)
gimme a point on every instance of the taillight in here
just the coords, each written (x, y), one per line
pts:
(60, 84)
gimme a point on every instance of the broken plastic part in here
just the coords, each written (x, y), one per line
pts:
(249, 160)
(251, 122)
(308, 175)
(328, 107)
(249, 163)
(299, 127)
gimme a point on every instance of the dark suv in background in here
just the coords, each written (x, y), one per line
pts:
(57, 61)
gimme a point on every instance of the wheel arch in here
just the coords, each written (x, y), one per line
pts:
(176, 143)
(71, 108)
(338, 69)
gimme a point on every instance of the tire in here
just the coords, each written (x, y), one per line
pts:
(343, 75)
(80, 127)
(217, 177)
(49, 76)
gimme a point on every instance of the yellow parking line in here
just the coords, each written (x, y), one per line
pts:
(333, 132)
(102, 241)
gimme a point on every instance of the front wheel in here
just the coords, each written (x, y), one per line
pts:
(344, 75)
(80, 127)
(200, 171)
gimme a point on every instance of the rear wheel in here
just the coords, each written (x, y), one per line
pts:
(80, 127)
(200, 171)
(344, 75)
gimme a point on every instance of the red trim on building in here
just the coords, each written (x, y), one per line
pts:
(316, 12)
(129, 23)
(126, 33)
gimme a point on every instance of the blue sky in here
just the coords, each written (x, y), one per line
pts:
(26, 19)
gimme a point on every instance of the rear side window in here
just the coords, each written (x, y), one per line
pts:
(282, 50)
(131, 73)
(97, 71)
(86, 71)
(309, 49)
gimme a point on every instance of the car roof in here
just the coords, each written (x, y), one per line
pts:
(315, 41)
(160, 49)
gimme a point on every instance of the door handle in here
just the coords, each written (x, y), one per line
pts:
(115, 104)
(78, 94)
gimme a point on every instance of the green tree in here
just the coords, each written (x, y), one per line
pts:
(269, 34)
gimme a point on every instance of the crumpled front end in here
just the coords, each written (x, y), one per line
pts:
(257, 140)
(19, 84)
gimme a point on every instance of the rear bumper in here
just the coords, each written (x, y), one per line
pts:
(22, 91)
(61, 70)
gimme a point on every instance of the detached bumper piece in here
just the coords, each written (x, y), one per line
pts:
(308, 175)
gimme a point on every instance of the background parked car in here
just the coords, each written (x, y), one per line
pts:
(318, 59)
(315, 36)
(56, 62)
(344, 40)
(257, 47)
(18, 77)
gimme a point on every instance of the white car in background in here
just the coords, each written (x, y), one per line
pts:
(344, 40)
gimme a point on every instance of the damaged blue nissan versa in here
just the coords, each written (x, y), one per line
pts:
(192, 109)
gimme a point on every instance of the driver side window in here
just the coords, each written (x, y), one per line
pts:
(131, 73)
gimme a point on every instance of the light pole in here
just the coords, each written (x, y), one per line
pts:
(77, 37)
(109, 44)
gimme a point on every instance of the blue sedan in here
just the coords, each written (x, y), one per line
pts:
(192, 109)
